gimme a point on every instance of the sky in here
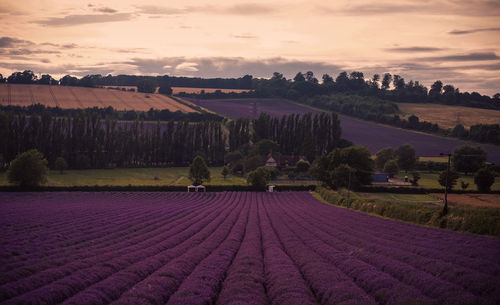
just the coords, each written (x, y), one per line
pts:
(457, 42)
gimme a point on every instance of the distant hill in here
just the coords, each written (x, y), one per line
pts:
(371, 135)
(84, 97)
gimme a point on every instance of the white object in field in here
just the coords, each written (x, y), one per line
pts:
(271, 188)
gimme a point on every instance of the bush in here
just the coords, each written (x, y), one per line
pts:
(28, 169)
(391, 168)
(60, 165)
(259, 178)
(198, 171)
(452, 179)
(484, 179)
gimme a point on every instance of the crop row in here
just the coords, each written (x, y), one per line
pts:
(230, 248)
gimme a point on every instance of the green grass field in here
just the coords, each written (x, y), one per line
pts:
(413, 198)
(430, 181)
(132, 176)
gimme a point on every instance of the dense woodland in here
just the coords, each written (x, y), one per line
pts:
(85, 140)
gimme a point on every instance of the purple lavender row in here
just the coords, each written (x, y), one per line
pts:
(331, 248)
(245, 280)
(434, 274)
(112, 287)
(464, 244)
(474, 277)
(100, 224)
(160, 285)
(45, 263)
(202, 286)
(80, 266)
(284, 282)
(327, 281)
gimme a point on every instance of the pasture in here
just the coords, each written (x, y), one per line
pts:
(430, 181)
(131, 176)
(231, 248)
(82, 97)
(449, 116)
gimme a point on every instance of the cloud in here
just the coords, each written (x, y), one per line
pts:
(478, 56)
(160, 10)
(250, 9)
(438, 7)
(471, 31)
(71, 20)
(106, 10)
(245, 36)
(228, 66)
(11, 42)
(413, 49)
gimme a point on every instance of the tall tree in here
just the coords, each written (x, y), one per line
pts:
(198, 171)
(405, 156)
(468, 159)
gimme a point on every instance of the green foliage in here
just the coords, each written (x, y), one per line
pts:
(382, 156)
(468, 159)
(28, 169)
(60, 164)
(146, 86)
(259, 178)
(302, 166)
(252, 163)
(474, 220)
(225, 172)
(484, 179)
(415, 177)
(405, 156)
(391, 168)
(464, 185)
(164, 89)
(198, 171)
(264, 147)
(332, 168)
(452, 178)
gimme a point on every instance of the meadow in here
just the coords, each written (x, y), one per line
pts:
(82, 97)
(177, 176)
(430, 181)
(449, 116)
(231, 248)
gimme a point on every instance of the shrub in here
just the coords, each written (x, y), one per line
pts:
(60, 164)
(28, 169)
(391, 168)
(484, 179)
(259, 178)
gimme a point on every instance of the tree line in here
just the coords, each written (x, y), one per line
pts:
(86, 140)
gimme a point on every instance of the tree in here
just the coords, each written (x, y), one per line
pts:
(302, 166)
(252, 163)
(382, 156)
(415, 178)
(259, 178)
(60, 164)
(452, 179)
(165, 89)
(28, 169)
(46, 79)
(405, 156)
(386, 81)
(464, 185)
(436, 89)
(468, 159)
(342, 176)
(25, 77)
(198, 171)
(225, 172)
(391, 168)
(484, 179)
(264, 147)
(146, 86)
(2, 80)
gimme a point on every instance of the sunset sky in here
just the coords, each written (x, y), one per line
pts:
(455, 41)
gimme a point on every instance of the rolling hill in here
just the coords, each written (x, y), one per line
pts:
(83, 97)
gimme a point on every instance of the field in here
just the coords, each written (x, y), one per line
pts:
(177, 90)
(430, 181)
(449, 116)
(475, 200)
(371, 135)
(414, 198)
(132, 176)
(230, 248)
(81, 97)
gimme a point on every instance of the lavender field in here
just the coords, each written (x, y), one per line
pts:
(230, 248)
(371, 135)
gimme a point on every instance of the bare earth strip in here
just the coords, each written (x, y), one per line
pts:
(476, 200)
